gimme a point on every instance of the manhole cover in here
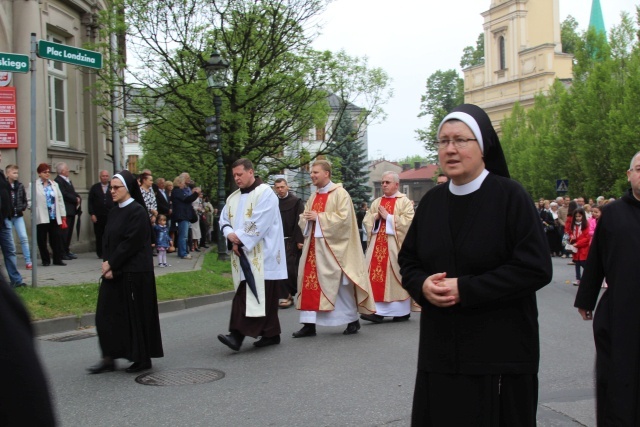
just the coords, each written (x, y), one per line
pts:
(71, 337)
(181, 376)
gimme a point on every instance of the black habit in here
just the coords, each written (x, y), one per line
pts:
(127, 313)
(290, 209)
(489, 341)
(614, 257)
(24, 393)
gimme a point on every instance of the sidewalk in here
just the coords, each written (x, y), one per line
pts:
(86, 269)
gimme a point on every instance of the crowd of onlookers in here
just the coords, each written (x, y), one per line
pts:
(182, 216)
(569, 225)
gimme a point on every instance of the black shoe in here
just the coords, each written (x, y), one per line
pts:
(101, 367)
(66, 258)
(265, 341)
(204, 246)
(19, 285)
(372, 318)
(402, 318)
(352, 328)
(139, 367)
(197, 250)
(308, 330)
(230, 341)
(46, 264)
(59, 263)
(72, 255)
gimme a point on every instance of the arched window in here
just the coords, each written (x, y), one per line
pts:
(503, 53)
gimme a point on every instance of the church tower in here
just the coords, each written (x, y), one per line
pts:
(596, 20)
(523, 56)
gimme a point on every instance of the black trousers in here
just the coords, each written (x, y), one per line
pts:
(67, 234)
(52, 230)
(98, 229)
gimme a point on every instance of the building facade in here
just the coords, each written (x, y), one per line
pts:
(523, 56)
(69, 125)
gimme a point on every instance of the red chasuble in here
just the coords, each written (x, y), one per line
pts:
(380, 258)
(311, 291)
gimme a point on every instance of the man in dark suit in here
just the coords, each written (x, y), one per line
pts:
(162, 198)
(71, 204)
(100, 203)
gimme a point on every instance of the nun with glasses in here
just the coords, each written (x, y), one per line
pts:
(127, 313)
(473, 258)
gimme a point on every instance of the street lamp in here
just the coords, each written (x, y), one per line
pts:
(216, 69)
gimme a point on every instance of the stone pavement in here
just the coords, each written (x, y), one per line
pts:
(86, 269)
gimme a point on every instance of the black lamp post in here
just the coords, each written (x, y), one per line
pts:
(216, 68)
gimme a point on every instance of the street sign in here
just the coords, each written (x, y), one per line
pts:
(69, 54)
(14, 63)
(562, 185)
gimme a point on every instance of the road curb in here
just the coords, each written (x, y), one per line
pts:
(72, 323)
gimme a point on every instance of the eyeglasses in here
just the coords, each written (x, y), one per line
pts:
(116, 187)
(457, 142)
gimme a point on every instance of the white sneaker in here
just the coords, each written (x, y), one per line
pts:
(187, 257)
(161, 265)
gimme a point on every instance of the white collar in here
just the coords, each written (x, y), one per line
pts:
(126, 202)
(325, 189)
(285, 196)
(469, 187)
(391, 197)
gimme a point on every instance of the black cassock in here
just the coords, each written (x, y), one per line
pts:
(290, 209)
(478, 360)
(127, 314)
(613, 257)
(24, 393)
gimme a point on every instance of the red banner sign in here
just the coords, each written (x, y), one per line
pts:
(8, 118)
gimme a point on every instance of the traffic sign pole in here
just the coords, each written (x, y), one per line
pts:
(34, 222)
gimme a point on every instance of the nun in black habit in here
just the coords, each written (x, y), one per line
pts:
(473, 258)
(127, 312)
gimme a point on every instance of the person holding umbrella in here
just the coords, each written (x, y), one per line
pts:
(251, 223)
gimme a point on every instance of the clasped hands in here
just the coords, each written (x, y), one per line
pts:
(382, 213)
(440, 290)
(107, 273)
(310, 215)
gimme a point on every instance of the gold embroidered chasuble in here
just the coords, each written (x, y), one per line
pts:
(338, 252)
(402, 216)
(243, 220)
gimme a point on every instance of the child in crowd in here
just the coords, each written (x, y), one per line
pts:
(580, 238)
(20, 203)
(163, 241)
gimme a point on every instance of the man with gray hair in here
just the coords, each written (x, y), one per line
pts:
(386, 224)
(613, 257)
(72, 206)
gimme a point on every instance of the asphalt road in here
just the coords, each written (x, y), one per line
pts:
(329, 380)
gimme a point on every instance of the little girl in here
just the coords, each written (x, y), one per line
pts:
(580, 238)
(163, 241)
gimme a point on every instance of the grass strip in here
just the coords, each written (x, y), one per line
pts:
(49, 302)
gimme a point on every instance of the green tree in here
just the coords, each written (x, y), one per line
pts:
(349, 161)
(588, 133)
(277, 87)
(445, 90)
(569, 35)
(472, 56)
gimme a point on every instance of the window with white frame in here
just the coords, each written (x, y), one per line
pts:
(57, 98)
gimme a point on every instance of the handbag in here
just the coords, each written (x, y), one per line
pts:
(64, 225)
(193, 217)
(569, 247)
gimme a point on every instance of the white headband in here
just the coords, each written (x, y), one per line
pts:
(121, 178)
(467, 120)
